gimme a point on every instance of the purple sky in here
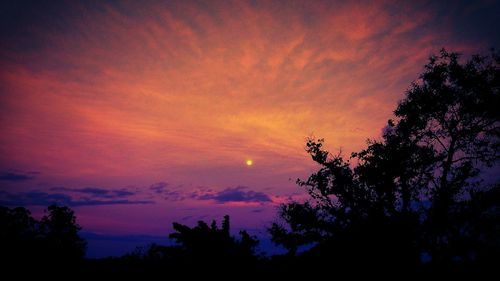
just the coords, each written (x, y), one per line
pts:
(140, 113)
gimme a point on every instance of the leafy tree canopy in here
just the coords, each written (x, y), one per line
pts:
(53, 238)
(416, 194)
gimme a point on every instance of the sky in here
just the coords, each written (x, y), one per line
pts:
(137, 114)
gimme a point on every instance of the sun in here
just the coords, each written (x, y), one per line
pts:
(249, 162)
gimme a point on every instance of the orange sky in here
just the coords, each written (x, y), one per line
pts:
(123, 95)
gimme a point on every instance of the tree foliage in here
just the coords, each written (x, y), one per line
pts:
(418, 191)
(210, 243)
(60, 232)
(53, 238)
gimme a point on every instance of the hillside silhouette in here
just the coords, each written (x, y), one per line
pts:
(412, 202)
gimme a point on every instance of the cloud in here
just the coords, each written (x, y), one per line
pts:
(39, 198)
(159, 187)
(16, 176)
(97, 192)
(119, 93)
(235, 194)
(203, 87)
(238, 194)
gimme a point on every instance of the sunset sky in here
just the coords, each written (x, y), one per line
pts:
(140, 113)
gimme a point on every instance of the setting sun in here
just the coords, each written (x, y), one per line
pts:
(249, 162)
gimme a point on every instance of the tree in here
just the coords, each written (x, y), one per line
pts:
(48, 246)
(18, 234)
(60, 232)
(416, 192)
(204, 243)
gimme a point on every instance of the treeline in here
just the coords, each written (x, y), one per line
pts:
(51, 247)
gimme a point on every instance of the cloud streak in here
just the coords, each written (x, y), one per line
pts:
(162, 189)
(38, 198)
(16, 176)
(97, 192)
(159, 187)
(234, 194)
(238, 194)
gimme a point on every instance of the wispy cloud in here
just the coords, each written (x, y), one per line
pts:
(17, 176)
(163, 189)
(277, 71)
(235, 194)
(231, 195)
(159, 187)
(97, 192)
(39, 198)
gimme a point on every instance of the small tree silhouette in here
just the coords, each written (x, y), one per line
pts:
(211, 244)
(19, 237)
(60, 232)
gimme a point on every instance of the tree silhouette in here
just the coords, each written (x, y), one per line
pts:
(202, 247)
(54, 238)
(18, 235)
(60, 232)
(416, 193)
(204, 243)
